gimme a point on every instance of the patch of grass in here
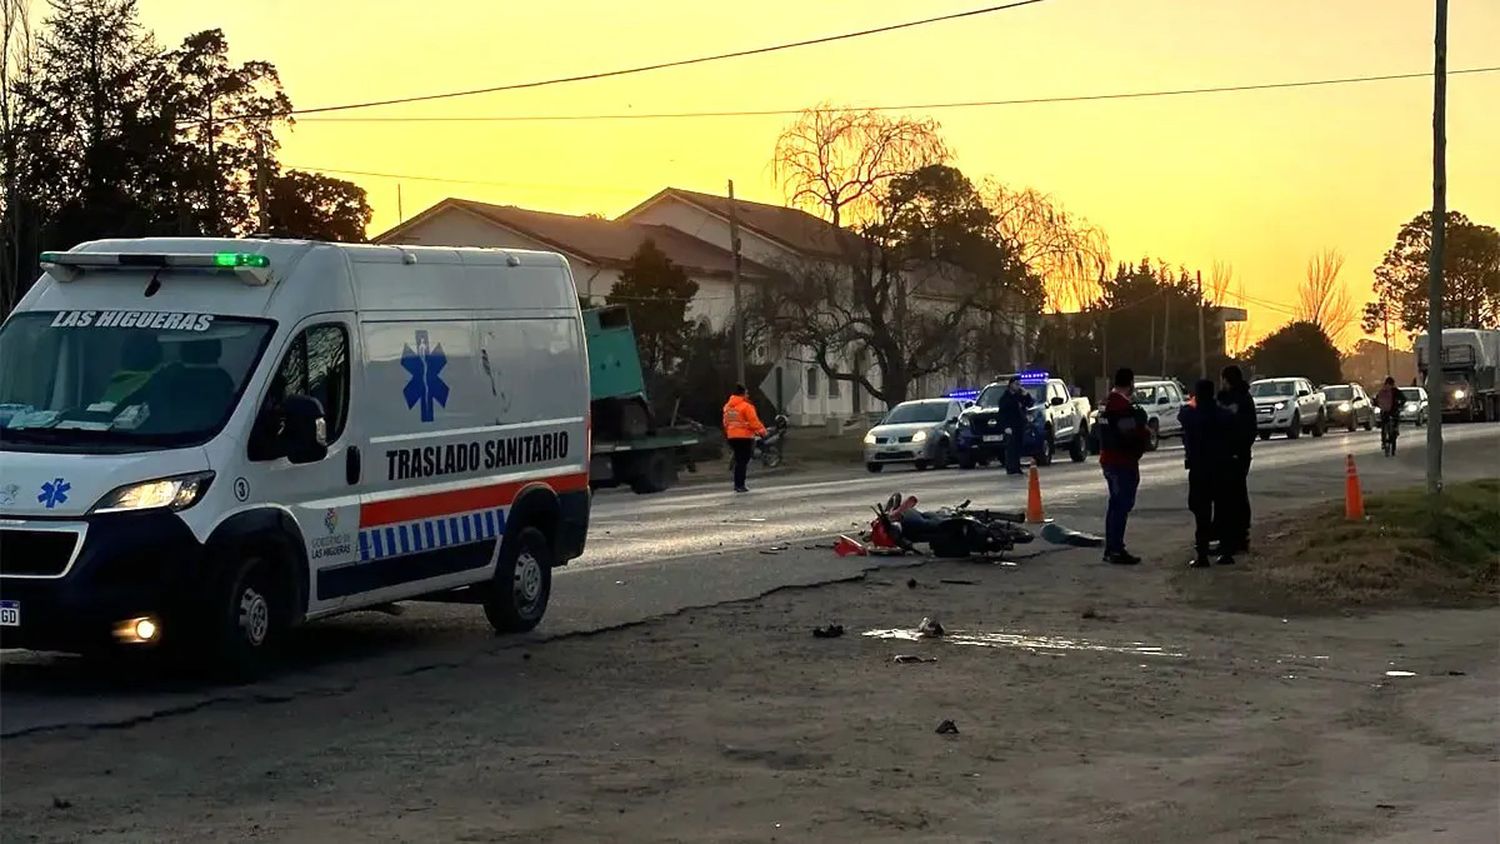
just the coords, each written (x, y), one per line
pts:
(1411, 550)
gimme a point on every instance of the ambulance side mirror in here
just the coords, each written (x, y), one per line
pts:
(304, 435)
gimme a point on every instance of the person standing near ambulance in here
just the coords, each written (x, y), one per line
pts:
(741, 427)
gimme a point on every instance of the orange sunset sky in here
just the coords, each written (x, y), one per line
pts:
(1261, 180)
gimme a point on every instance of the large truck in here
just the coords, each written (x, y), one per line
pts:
(1470, 389)
(629, 447)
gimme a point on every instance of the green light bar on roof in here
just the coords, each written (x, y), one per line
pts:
(240, 259)
(250, 268)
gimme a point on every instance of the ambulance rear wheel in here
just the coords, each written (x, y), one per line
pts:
(517, 597)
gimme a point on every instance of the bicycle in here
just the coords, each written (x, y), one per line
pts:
(1390, 429)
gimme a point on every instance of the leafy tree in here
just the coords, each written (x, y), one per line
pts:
(1297, 348)
(104, 134)
(1471, 275)
(657, 292)
(316, 207)
(911, 291)
(223, 138)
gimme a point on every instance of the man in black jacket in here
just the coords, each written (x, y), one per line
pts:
(1208, 435)
(1233, 510)
(1014, 404)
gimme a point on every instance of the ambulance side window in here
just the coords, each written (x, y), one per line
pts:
(316, 365)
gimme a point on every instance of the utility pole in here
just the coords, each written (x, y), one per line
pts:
(1202, 343)
(400, 214)
(1166, 327)
(1435, 256)
(262, 186)
(1385, 320)
(739, 314)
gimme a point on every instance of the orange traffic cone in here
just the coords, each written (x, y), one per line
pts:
(1354, 498)
(1034, 513)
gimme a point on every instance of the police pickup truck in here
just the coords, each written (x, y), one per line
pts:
(1061, 419)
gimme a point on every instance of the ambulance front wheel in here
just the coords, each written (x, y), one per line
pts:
(247, 618)
(518, 595)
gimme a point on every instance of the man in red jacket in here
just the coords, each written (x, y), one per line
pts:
(1123, 439)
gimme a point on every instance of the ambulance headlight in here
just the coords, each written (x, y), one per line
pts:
(173, 494)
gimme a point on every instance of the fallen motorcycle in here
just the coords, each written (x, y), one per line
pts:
(959, 531)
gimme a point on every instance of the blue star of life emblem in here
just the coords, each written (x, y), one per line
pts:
(54, 492)
(426, 387)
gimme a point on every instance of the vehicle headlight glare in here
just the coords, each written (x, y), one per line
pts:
(1281, 405)
(870, 438)
(1344, 407)
(919, 437)
(1458, 394)
(176, 493)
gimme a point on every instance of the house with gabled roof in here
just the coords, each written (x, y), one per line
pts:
(597, 249)
(693, 230)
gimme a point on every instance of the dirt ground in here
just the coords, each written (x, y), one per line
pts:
(1091, 703)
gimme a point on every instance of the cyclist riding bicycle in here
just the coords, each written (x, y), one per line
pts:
(1389, 401)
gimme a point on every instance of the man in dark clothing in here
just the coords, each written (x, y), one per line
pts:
(1207, 437)
(1014, 404)
(1123, 437)
(1233, 510)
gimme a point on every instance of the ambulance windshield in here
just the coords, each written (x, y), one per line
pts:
(122, 380)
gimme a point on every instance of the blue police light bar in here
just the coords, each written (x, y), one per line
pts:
(962, 395)
(1035, 376)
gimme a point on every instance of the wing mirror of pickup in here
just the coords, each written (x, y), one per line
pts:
(1164, 400)
(1302, 394)
(1058, 401)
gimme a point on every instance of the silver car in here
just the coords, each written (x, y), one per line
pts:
(917, 432)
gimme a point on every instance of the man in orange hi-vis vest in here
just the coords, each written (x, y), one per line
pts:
(741, 427)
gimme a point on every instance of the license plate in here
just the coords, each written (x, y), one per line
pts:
(993, 438)
(10, 613)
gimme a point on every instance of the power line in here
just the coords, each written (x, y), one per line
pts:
(627, 71)
(786, 112)
(457, 181)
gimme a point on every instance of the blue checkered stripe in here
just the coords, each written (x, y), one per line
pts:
(433, 534)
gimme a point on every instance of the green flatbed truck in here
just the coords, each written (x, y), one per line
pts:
(629, 447)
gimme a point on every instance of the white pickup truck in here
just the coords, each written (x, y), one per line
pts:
(1162, 399)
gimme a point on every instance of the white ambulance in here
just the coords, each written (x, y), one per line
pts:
(204, 442)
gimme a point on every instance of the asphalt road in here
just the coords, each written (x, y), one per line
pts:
(695, 546)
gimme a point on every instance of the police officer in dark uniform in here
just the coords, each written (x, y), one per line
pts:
(1233, 511)
(1208, 435)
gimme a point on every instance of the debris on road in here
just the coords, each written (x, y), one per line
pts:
(1059, 535)
(906, 659)
(832, 631)
(911, 583)
(61, 803)
(953, 581)
(947, 728)
(849, 547)
(930, 629)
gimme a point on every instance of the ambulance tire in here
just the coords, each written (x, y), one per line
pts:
(517, 597)
(246, 618)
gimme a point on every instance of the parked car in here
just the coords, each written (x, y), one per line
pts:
(1162, 399)
(1064, 421)
(1288, 406)
(919, 432)
(1349, 406)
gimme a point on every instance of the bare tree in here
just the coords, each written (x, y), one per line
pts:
(1323, 298)
(835, 162)
(17, 67)
(1066, 252)
(1220, 279)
